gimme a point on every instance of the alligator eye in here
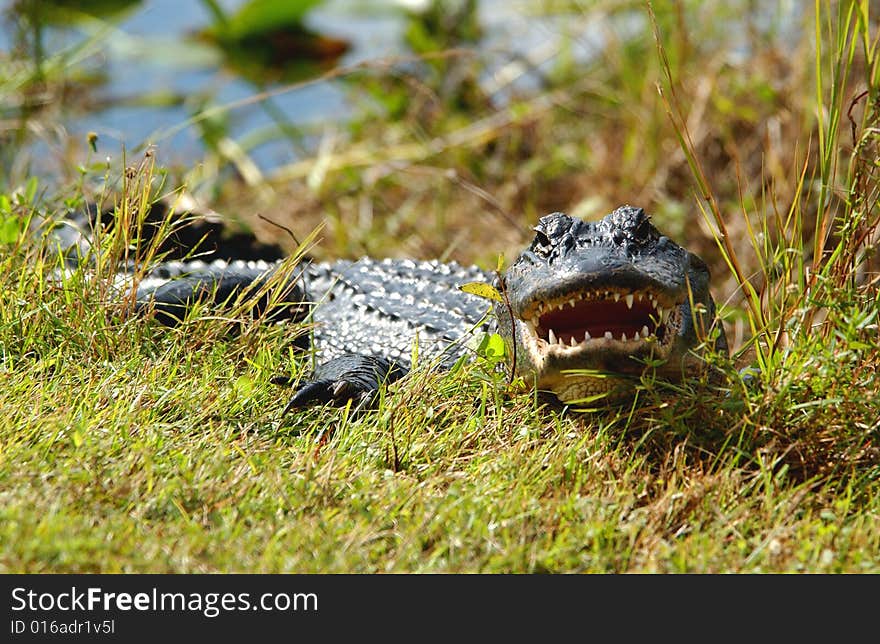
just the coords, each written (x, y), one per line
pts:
(698, 263)
(541, 246)
(643, 229)
(541, 238)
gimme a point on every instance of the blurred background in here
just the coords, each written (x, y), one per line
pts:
(135, 72)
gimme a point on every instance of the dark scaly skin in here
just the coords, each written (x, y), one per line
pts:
(596, 267)
(371, 317)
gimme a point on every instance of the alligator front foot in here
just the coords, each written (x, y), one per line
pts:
(354, 378)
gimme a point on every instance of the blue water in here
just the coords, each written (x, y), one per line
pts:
(149, 53)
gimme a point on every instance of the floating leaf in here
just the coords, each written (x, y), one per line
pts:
(267, 40)
(260, 16)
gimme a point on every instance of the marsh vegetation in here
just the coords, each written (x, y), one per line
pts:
(749, 130)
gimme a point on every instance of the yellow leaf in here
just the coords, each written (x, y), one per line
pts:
(481, 289)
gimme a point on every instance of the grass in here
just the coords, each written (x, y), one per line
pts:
(128, 447)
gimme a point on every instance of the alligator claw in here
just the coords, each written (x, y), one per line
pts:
(354, 378)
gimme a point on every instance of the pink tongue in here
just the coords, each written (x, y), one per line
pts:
(597, 318)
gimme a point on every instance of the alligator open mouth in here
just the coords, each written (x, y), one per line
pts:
(585, 319)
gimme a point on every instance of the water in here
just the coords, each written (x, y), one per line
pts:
(149, 54)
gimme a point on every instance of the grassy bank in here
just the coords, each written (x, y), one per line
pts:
(128, 447)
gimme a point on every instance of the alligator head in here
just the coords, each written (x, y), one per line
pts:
(608, 298)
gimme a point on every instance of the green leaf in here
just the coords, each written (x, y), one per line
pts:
(10, 227)
(244, 386)
(481, 289)
(30, 190)
(495, 346)
(492, 347)
(260, 16)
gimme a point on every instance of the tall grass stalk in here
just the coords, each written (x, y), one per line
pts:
(816, 248)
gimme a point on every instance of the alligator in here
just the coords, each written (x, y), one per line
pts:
(585, 310)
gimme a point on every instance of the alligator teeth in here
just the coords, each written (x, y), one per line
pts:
(659, 316)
